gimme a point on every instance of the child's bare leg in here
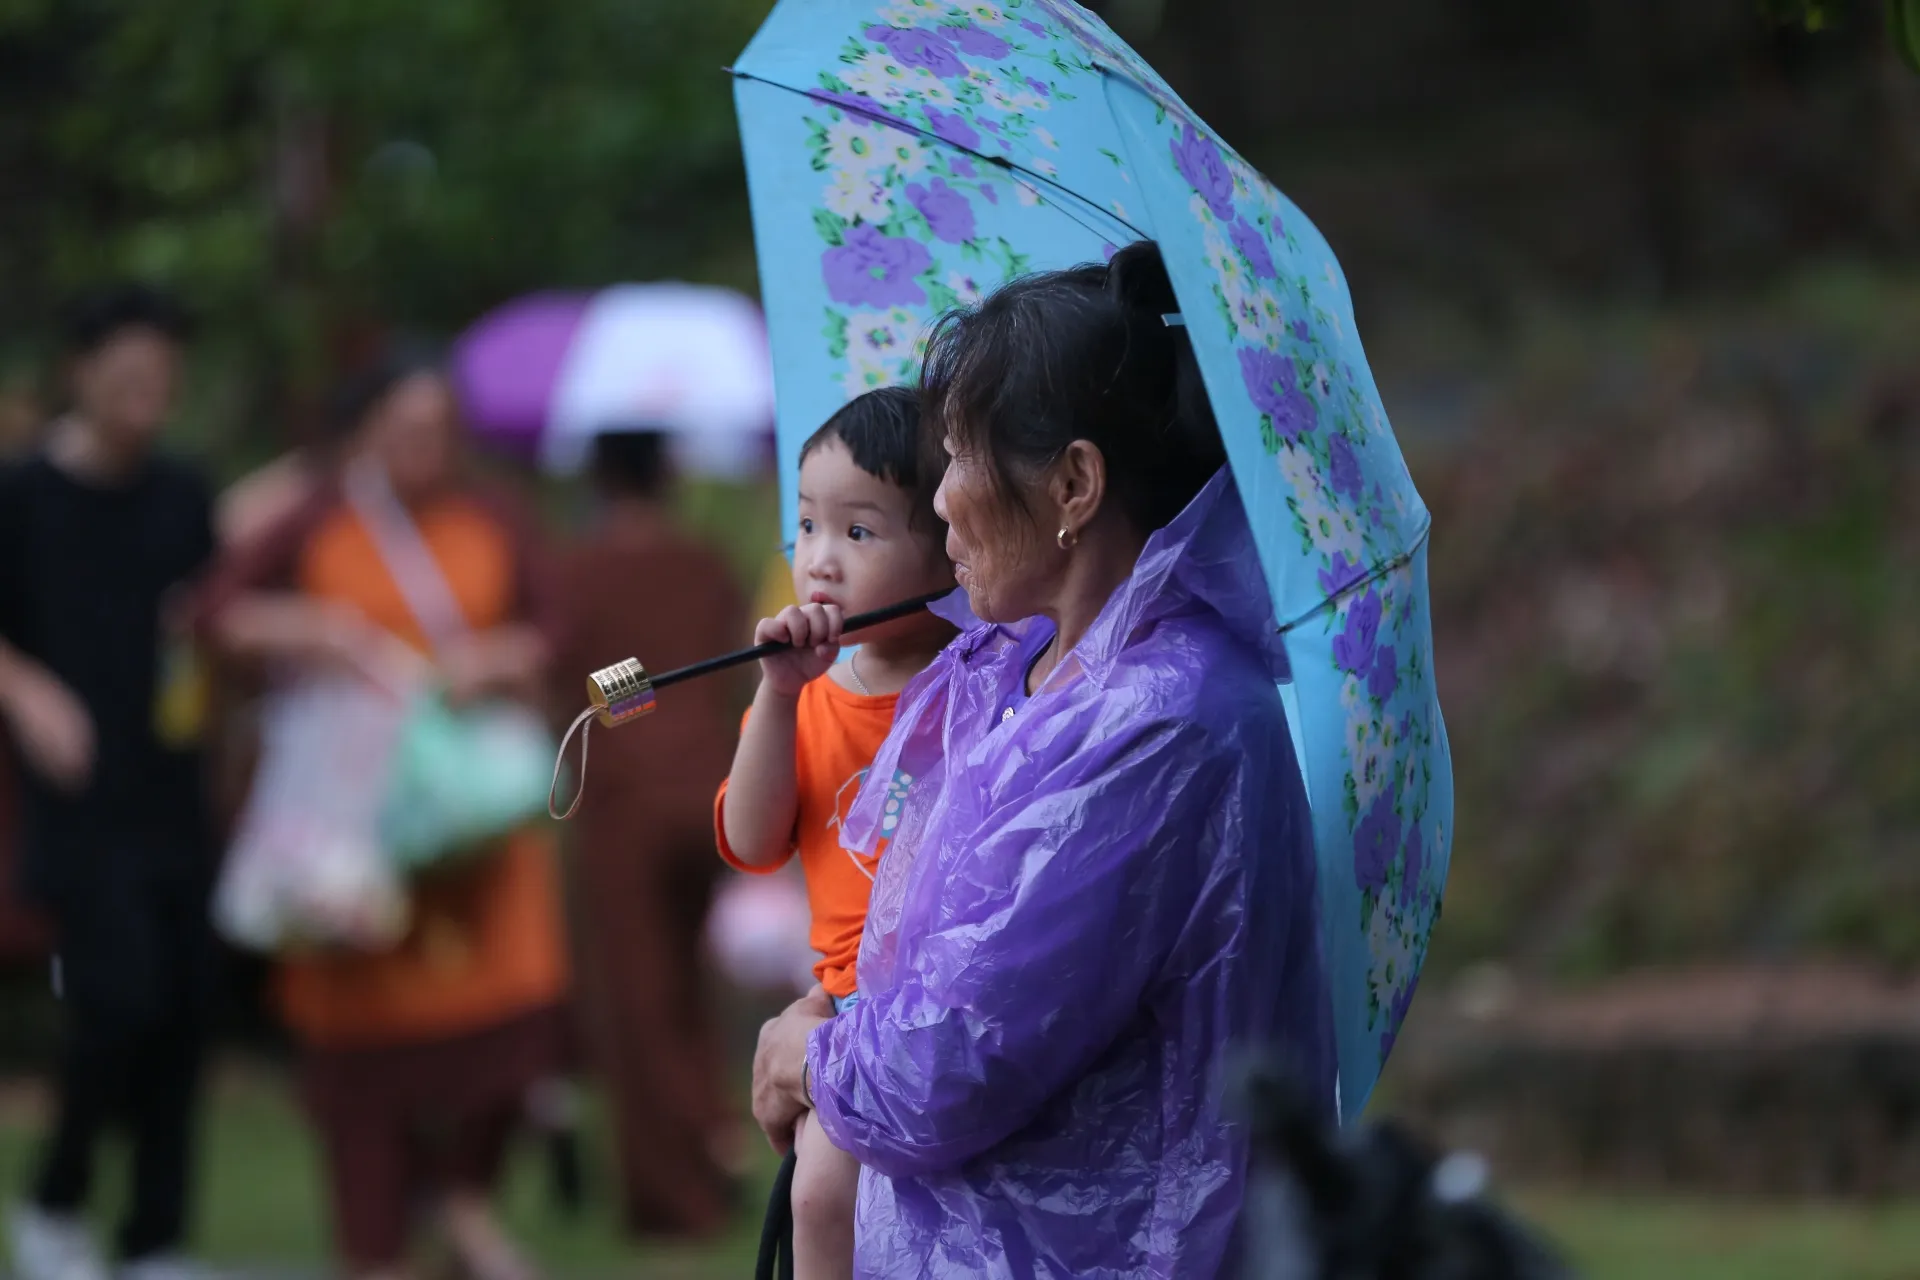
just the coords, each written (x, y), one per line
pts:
(825, 1181)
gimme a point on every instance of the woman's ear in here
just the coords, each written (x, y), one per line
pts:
(1078, 485)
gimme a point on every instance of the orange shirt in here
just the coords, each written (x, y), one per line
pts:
(486, 942)
(837, 732)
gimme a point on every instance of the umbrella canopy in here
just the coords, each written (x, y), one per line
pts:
(543, 375)
(905, 156)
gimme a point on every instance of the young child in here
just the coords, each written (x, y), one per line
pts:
(868, 537)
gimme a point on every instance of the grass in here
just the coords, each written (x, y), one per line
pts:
(261, 1207)
(1612, 1238)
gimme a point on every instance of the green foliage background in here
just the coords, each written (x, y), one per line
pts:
(452, 154)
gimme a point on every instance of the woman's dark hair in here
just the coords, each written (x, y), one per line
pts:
(881, 429)
(1081, 354)
(631, 463)
(360, 393)
(98, 316)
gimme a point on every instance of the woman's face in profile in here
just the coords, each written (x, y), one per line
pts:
(990, 539)
(414, 433)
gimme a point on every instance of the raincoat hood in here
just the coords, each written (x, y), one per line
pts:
(1087, 901)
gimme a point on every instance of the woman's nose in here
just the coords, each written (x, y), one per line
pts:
(940, 499)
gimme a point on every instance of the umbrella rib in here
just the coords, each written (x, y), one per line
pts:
(998, 162)
(1378, 572)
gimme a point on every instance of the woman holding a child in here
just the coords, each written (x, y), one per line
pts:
(1101, 881)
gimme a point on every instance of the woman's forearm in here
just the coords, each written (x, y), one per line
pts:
(281, 627)
(509, 661)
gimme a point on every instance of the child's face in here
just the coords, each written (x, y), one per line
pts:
(854, 547)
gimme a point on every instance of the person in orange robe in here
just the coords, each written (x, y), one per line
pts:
(645, 871)
(417, 1061)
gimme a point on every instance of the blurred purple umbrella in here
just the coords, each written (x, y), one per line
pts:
(542, 375)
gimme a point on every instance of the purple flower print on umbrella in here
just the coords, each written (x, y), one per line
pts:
(1040, 87)
(863, 107)
(1353, 648)
(963, 168)
(1034, 27)
(875, 270)
(946, 210)
(953, 127)
(1342, 574)
(1199, 160)
(981, 44)
(1276, 391)
(1248, 240)
(1413, 858)
(1375, 842)
(1344, 468)
(1301, 331)
(918, 47)
(1385, 676)
(1397, 1015)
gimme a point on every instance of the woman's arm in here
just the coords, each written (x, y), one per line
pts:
(509, 662)
(1059, 918)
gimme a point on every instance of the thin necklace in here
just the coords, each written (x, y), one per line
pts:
(853, 674)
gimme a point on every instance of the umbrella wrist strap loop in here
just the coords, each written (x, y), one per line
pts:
(583, 725)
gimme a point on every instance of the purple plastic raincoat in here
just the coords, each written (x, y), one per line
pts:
(1085, 908)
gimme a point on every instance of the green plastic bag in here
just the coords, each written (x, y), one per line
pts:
(461, 778)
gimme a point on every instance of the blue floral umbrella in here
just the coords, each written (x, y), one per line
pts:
(905, 156)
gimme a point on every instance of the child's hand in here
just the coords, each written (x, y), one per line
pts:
(814, 632)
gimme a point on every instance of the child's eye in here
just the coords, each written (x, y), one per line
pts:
(806, 525)
(859, 533)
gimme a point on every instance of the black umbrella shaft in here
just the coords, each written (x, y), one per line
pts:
(859, 622)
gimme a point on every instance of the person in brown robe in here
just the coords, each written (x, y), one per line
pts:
(644, 871)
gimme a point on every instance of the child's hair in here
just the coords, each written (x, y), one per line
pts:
(97, 317)
(881, 429)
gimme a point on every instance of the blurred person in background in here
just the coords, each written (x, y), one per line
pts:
(416, 1061)
(264, 497)
(645, 874)
(100, 537)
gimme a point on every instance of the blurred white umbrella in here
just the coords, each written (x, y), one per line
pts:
(548, 373)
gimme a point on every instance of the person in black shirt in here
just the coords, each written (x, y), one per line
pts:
(100, 538)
